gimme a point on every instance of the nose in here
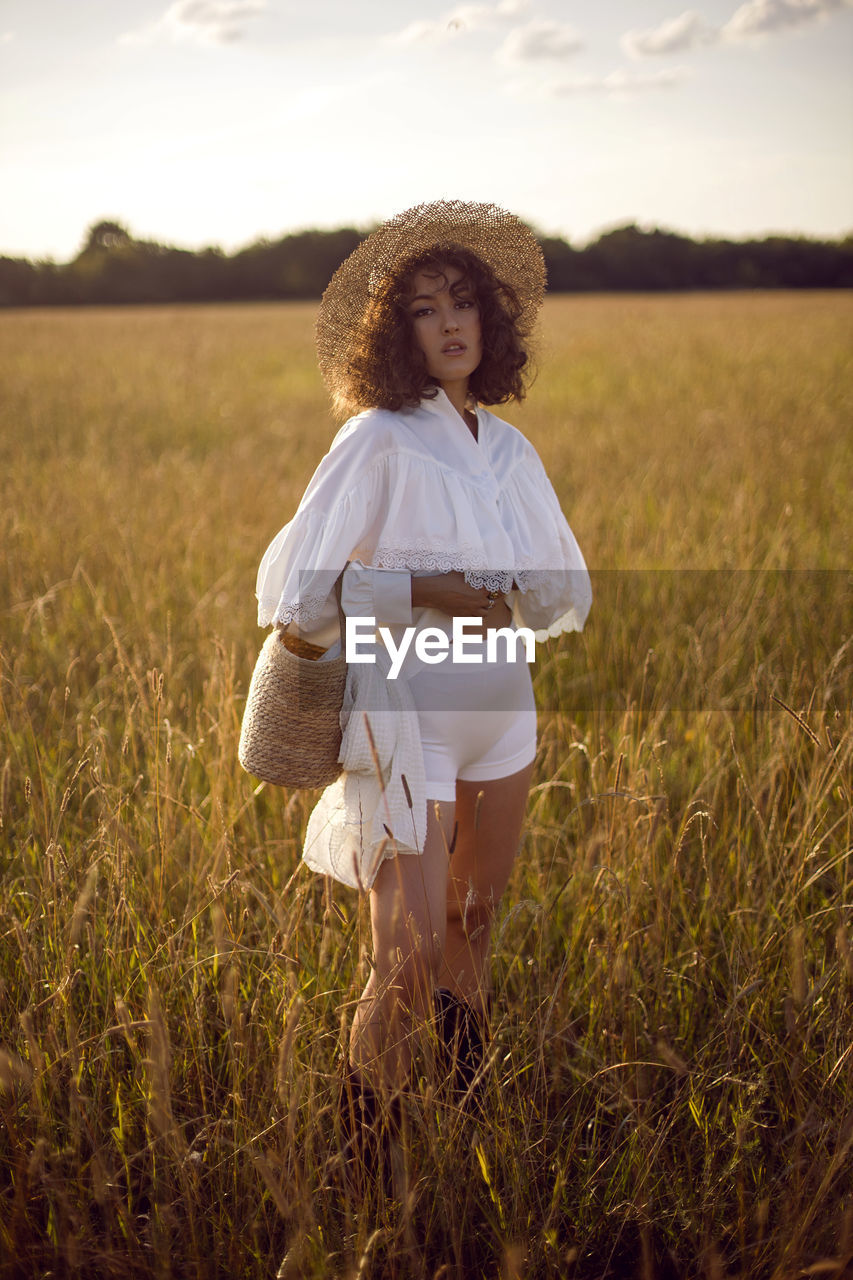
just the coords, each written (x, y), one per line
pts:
(451, 322)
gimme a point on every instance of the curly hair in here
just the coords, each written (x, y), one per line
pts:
(388, 369)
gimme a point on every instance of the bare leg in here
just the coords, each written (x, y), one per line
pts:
(408, 913)
(486, 845)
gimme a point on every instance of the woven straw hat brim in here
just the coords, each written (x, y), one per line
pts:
(499, 238)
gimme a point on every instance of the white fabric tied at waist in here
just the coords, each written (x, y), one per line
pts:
(364, 813)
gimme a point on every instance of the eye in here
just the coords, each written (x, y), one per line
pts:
(465, 303)
(420, 312)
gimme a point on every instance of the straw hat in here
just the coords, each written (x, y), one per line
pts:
(501, 239)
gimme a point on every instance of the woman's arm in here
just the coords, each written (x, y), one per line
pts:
(390, 595)
(450, 593)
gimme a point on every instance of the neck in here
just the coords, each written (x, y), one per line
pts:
(457, 394)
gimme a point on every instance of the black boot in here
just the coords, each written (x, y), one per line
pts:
(463, 1032)
(369, 1127)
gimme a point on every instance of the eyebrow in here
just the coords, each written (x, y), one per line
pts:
(428, 297)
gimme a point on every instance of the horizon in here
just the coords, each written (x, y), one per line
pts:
(645, 229)
(219, 123)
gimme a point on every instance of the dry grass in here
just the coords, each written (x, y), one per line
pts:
(672, 1083)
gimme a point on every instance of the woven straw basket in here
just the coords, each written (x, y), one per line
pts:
(291, 732)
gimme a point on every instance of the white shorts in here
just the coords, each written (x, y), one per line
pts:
(477, 723)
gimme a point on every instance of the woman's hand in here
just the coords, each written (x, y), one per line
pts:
(451, 594)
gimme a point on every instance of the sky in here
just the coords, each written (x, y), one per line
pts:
(217, 122)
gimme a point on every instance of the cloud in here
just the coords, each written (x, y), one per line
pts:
(764, 17)
(618, 82)
(540, 40)
(200, 21)
(414, 33)
(464, 18)
(755, 18)
(675, 35)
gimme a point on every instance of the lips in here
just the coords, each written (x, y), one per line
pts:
(453, 349)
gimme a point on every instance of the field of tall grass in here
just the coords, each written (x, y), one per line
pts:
(670, 1089)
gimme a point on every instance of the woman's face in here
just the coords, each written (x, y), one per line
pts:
(446, 326)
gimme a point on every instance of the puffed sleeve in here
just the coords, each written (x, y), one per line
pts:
(554, 593)
(337, 519)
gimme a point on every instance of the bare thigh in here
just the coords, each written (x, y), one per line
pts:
(489, 818)
(408, 921)
(408, 903)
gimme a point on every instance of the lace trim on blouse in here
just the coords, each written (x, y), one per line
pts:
(303, 612)
(308, 608)
(422, 556)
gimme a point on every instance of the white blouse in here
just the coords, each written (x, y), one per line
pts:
(414, 492)
(400, 494)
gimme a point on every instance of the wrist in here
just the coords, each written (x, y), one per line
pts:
(420, 592)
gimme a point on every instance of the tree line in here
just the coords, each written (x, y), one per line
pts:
(114, 267)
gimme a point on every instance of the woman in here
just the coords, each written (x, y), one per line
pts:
(438, 511)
